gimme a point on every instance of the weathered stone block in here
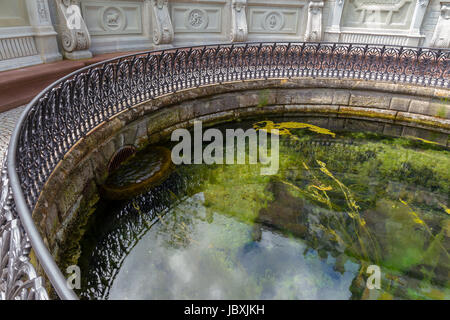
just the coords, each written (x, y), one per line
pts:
(399, 104)
(129, 133)
(257, 98)
(162, 119)
(424, 120)
(320, 122)
(141, 134)
(440, 108)
(426, 135)
(312, 108)
(392, 130)
(370, 100)
(435, 109)
(186, 110)
(368, 113)
(119, 141)
(341, 97)
(216, 104)
(107, 149)
(154, 138)
(108, 129)
(311, 96)
(67, 219)
(73, 186)
(52, 224)
(336, 123)
(419, 106)
(99, 166)
(361, 125)
(216, 117)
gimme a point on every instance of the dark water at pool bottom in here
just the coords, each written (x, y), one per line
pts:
(336, 206)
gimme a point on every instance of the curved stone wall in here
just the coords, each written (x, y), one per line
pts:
(69, 195)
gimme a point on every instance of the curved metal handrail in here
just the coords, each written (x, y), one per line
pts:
(68, 109)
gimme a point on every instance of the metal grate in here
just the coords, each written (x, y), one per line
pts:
(120, 156)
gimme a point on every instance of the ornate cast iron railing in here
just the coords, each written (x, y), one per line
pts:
(68, 109)
(18, 278)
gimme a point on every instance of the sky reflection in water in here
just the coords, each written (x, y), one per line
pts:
(220, 260)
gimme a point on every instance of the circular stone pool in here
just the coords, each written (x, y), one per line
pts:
(341, 204)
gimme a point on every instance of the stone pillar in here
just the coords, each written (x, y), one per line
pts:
(162, 24)
(417, 18)
(239, 29)
(334, 30)
(314, 22)
(441, 35)
(44, 33)
(72, 29)
(336, 17)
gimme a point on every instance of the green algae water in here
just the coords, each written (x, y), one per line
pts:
(341, 201)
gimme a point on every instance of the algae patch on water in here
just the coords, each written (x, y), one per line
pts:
(283, 127)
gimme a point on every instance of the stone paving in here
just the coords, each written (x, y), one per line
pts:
(8, 121)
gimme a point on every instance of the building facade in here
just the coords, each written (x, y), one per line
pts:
(41, 31)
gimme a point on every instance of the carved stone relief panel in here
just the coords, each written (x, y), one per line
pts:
(74, 34)
(239, 29)
(382, 14)
(195, 17)
(42, 9)
(441, 35)
(314, 22)
(288, 20)
(162, 23)
(112, 17)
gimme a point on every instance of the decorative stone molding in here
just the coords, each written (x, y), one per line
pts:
(335, 27)
(392, 39)
(418, 16)
(17, 47)
(273, 21)
(162, 24)
(314, 23)
(387, 14)
(30, 44)
(74, 34)
(196, 19)
(395, 22)
(239, 29)
(441, 35)
(42, 10)
(113, 19)
(44, 33)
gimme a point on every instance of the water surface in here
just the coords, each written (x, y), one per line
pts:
(339, 203)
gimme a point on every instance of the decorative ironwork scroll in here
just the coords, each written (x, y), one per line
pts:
(18, 277)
